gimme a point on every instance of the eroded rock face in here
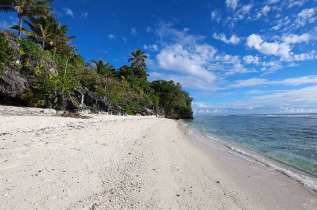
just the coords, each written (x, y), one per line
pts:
(65, 102)
(12, 86)
(100, 103)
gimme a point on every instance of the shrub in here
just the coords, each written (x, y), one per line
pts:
(6, 53)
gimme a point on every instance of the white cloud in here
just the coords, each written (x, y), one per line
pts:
(298, 110)
(215, 15)
(133, 31)
(274, 48)
(232, 4)
(265, 10)
(287, 82)
(69, 12)
(249, 59)
(152, 47)
(272, 1)
(293, 38)
(233, 39)
(305, 16)
(84, 14)
(169, 34)
(293, 3)
(148, 29)
(307, 13)
(305, 56)
(294, 98)
(246, 8)
(289, 101)
(188, 60)
(111, 36)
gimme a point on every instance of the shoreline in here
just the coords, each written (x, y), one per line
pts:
(115, 162)
(305, 178)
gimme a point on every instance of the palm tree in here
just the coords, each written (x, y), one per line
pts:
(42, 29)
(138, 59)
(49, 32)
(28, 8)
(102, 67)
(59, 40)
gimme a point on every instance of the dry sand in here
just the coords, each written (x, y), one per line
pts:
(119, 162)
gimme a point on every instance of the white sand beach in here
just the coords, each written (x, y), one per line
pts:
(125, 162)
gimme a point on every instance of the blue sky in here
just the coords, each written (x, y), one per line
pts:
(233, 56)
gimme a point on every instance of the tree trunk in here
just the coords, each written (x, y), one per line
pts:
(65, 71)
(43, 44)
(20, 25)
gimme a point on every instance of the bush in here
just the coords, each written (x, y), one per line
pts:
(6, 53)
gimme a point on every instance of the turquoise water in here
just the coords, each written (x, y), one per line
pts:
(288, 139)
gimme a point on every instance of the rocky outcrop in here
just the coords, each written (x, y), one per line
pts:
(88, 100)
(159, 112)
(99, 103)
(12, 86)
(64, 102)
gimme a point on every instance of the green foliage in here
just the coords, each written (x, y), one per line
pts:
(171, 96)
(101, 91)
(26, 8)
(88, 78)
(33, 99)
(36, 63)
(6, 53)
(28, 47)
(52, 67)
(138, 59)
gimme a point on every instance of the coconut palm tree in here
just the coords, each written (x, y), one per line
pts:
(49, 32)
(138, 59)
(59, 41)
(42, 29)
(102, 67)
(25, 8)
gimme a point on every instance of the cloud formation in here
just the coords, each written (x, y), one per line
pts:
(233, 4)
(232, 40)
(69, 12)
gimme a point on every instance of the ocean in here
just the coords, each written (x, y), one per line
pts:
(287, 143)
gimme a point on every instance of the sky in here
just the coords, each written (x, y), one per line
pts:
(233, 56)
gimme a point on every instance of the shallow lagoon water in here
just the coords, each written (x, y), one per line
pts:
(287, 139)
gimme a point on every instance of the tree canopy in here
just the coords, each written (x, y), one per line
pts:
(47, 47)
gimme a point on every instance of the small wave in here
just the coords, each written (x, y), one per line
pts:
(293, 115)
(301, 177)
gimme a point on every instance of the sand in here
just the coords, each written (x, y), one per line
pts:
(124, 162)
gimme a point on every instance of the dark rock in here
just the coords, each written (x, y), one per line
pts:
(159, 112)
(99, 103)
(65, 102)
(149, 111)
(12, 86)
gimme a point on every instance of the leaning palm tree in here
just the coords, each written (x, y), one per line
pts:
(28, 8)
(42, 29)
(138, 59)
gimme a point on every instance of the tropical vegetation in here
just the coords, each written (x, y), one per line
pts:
(46, 46)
